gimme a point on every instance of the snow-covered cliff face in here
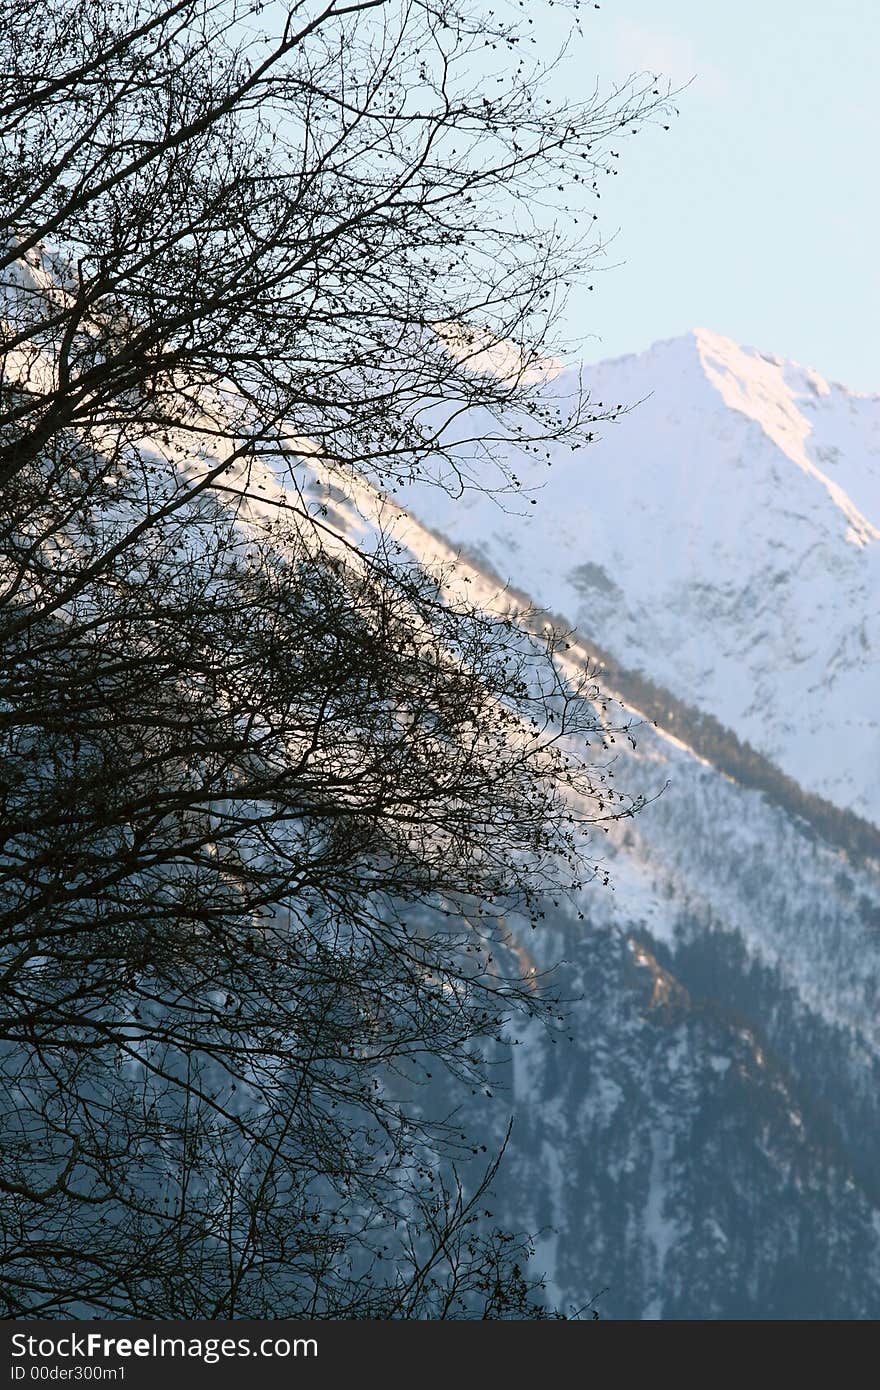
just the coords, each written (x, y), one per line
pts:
(702, 1138)
(723, 537)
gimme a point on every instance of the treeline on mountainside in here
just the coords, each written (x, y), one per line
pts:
(720, 746)
(706, 735)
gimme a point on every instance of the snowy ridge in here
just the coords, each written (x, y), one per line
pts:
(773, 394)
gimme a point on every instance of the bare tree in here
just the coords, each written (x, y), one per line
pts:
(267, 791)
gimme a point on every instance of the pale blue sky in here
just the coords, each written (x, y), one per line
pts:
(757, 214)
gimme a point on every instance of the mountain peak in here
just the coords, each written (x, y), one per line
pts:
(719, 535)
(806, 419)
(701, 345)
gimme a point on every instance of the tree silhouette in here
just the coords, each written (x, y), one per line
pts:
(268, 785)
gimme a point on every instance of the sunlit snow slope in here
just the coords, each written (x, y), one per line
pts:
(723, 537)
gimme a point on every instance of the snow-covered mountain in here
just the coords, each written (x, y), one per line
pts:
(723, 537)
(702, 1138)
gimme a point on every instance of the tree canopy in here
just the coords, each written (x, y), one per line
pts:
(269, 785)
